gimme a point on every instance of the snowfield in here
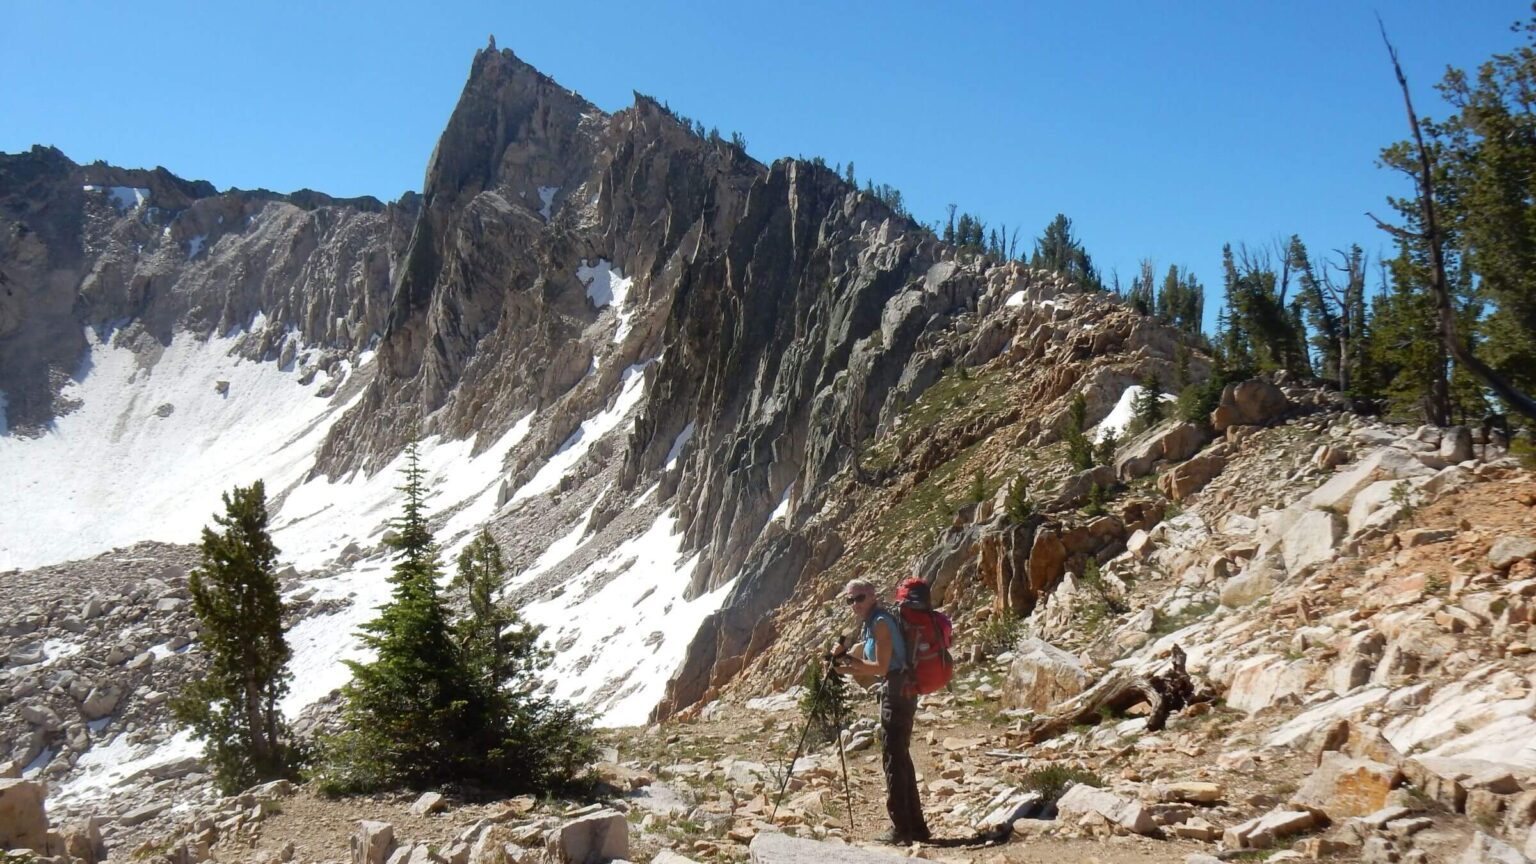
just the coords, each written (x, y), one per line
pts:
(152, 446)
(620, 629)
(1123, 413)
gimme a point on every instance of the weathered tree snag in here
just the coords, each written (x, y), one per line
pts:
(1165, 692)
(1433, 239)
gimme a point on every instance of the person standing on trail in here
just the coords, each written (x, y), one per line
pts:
(886, 651)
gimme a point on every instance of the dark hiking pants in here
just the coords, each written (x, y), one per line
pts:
(901, 801)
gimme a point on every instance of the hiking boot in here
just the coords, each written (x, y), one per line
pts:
(891, 838)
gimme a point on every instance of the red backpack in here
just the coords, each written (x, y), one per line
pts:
(928, 635)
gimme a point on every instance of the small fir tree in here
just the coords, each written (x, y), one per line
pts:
(494, 640)
(978, 490)
(408, 710)
(447, 702)
(1147, 407)
(1019, 506)
(234, 706)
(1097, 497)
(824, 703)
(1106, 450)
(1079, 448)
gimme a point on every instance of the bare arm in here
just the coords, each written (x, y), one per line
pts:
(863, 670)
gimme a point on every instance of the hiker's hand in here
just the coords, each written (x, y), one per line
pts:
(837, 651)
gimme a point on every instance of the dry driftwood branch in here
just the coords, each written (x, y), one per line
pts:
(1165, 692)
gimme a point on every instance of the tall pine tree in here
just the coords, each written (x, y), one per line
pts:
(234, 706)
(410, 709)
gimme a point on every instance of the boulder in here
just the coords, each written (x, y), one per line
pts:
(1425, 536)
(591, 839)
(1008, 807)
(428, 803)
(771, 847)
(1047, 561)
(1263, 831)
(1485, 849)
(1250, 403)
(42, 716)
(1456, 444)
(83, 842)
(1076, 489)
(667, 856)
(1386, 463)
(1263, 680)
(1171, 443)
(1257, 579)
(372, 842)
(101, 701)
(1189, 792)
(497, 844)
(1343, 786)
(23, 819)
(140, 815)
(1509, 549)
(1369, 502)
(1042, 675)
(1329, 456)
(1190, 477)
(1082, 800)
(1313, 540)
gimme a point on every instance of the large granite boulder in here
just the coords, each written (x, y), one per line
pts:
(1042, 675)
(23, 819)
(1250, 403)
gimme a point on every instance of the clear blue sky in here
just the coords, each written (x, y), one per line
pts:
(1162, 129)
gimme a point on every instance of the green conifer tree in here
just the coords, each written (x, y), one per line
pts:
(1019, 506)
(1147, 406)
(233, 707)
(447, 702)
(1079, 448)
(824, 702)
(409, 710)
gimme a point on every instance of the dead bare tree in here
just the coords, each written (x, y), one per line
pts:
(1434, 242)
(1166, 692)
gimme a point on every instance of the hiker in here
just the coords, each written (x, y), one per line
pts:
(882, 641)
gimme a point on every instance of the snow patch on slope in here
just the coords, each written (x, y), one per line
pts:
(546, 200)
(150, 449)
(620, 629)
(607, 285)
(678, 445)
(580, 441)
(319, 518)
(1123, 413)
(123, 197)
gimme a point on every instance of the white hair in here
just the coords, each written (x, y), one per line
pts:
(859, 586)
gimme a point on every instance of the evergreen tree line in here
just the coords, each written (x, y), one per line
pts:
(449, 699)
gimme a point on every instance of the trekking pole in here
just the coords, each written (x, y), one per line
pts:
(789, 769)
(842, 756)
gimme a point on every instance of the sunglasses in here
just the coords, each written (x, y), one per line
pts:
(856, 598)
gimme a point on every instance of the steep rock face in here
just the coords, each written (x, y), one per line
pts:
(136, 253)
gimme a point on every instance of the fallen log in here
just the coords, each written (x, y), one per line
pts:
(1165, 692)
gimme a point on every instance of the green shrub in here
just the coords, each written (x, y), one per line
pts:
(823, 705)
(1052, 781)
(999, 633)
(1018, 506)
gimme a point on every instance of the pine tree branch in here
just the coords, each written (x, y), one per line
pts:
(1438, 282)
